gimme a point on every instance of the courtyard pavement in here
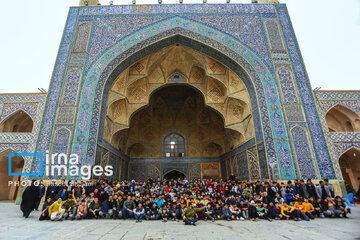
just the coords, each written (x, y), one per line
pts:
(14, 226)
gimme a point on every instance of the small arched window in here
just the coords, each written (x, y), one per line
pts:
(174, 145)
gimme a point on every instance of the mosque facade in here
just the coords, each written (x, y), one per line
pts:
(190, 90)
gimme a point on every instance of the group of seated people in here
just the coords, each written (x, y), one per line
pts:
(180, 199)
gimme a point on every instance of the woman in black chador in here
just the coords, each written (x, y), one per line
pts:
(29, 196)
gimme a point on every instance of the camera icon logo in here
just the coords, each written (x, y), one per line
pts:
(39, 155)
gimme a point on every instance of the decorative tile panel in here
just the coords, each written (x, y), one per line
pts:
(326, 105)
(342, 147)
(272, 28)
(294, 113)
(82, 37)
(60, 145)
(65, 115)
(10, 108)
(287, 85)
(56, 83)
(262, 161)
(77, 59)
(253, 162)
(242, 166)
(71, 88)
(303, 153)
(315, 129)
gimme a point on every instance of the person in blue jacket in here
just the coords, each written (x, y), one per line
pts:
(227, 213)
(107, 208)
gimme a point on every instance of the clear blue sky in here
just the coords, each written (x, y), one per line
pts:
(328, 32)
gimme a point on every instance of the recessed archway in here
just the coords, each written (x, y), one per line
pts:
(342, 119)
(17, 122)
(140, 112)
(176, 123)
(17, 163)
(350, 166)
(174, 174)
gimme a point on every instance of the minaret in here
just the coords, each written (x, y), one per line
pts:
(88, 3)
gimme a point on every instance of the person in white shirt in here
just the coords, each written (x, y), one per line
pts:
(139, 213)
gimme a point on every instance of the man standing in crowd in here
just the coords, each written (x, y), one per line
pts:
(330, 187)
(52, 190)
(41, 188)
(323, 191)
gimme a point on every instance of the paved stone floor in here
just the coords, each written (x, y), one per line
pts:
(13, 226)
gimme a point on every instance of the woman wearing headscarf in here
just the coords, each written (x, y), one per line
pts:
(29, 197)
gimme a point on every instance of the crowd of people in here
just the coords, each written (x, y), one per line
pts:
(186, 200)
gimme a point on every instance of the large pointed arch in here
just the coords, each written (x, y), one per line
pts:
(223, 48)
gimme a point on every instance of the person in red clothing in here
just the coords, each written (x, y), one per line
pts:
(277, 211)
(96, 193)
(166, 188)
(222, 189)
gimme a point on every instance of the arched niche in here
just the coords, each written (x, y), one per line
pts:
(233, 139)
(181, 109)
(212, 149)
(350, 166)
(174, 174)
(137, 150)
(342, 119)
(17, 122)
(119, 139)
(237, 110)
(117, 111)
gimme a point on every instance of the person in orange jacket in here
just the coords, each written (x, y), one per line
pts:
(300, 209)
